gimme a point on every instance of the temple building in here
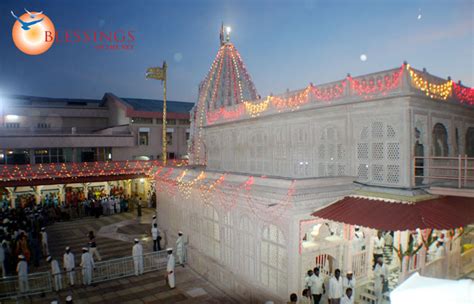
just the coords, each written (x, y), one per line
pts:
(263, 172)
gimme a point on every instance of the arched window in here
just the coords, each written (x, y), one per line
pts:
(210, 232)
(228, 239)
(440, 140)
(247, 247)
(470, 142)
(419, 161)
(273, 260)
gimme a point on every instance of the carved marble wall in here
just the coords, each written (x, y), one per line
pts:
(244, 243)
(340, 141)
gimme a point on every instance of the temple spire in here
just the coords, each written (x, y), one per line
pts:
(221, 35)
(224, 34)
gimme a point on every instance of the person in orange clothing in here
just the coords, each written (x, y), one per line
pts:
(22, 248)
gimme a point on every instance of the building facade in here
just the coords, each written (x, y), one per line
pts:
(49, 131)
(38, 130)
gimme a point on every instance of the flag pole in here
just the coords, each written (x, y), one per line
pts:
(165, 141)
(158, 73)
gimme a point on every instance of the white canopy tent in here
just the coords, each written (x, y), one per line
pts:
(419, 289)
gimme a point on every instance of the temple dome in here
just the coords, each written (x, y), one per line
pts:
(226, 84)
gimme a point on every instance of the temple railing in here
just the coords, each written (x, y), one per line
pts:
(467, 261)
(435, 268)
(360, 265)
(457, 172)
(415, 262)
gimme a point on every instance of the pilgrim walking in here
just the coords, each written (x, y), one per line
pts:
(170, 278)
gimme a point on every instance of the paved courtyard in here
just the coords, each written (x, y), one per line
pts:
(114, 235)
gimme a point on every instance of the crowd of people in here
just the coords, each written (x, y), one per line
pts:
(95, 206)
(24, 241)
(339, 290)
(23, 236)
(22, 229)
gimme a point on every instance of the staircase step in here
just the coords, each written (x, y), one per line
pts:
(367, 296)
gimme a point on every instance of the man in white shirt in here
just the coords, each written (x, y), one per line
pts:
(137, 254)
(69, 265)
(379, 244)
(317, 286)
(170, 269)
(348, 298)
(359, 240)
(349, 282)
(111, 206)
(432, 251)
(155, 235)
(56, 272)
(380, 275)
(307, 280)
(181, 249)
(22, 270)
(44, 242)
(440, 252)
(441, 238)
(87, 264)
(335, 292)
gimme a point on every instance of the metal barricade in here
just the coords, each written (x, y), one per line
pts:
(38, 283)
(124, 267)
(113, 269)
(43, 282)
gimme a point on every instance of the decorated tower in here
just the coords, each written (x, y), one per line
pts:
(226, 84)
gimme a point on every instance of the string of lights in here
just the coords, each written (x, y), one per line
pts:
(255, 109)
(376, 85)
(328, 93)
(269, 212)
(226, 84)
(30, 172)
(433, 90)
(368, 88)
(365, 87)
(219, 193)
(463, 94)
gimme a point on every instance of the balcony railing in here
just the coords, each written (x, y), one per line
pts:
(455, 172)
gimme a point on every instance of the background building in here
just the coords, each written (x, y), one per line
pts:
(49, 131)
(36, 130)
